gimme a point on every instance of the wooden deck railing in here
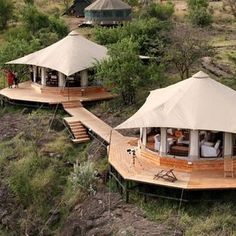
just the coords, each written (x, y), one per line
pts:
(186, 165)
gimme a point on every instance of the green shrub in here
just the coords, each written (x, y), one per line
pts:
(149, 34)
(6, 12)
(160, 11)
(34, 20)
(197, 3)
(199, 14)
(83, 177)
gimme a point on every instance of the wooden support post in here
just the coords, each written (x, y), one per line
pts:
(144, 134)
(84, 78)
(34, 74)
(228, 144)
(43, 76)
(127, 191)
(163, 146)
(194, 145)
(62, 79)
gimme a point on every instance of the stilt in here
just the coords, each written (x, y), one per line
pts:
(127, 191)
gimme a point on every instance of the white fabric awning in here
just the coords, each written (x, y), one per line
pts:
(72, 54)
(198, 103)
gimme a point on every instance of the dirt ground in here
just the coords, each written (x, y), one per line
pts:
(11, 124)
(107, 214)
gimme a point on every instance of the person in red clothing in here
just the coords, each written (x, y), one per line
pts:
(10, 79)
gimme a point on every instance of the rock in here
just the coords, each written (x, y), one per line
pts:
(125, 232)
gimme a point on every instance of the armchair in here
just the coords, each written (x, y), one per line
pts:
(208, 151)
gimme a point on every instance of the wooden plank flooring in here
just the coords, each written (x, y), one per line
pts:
(26, 92)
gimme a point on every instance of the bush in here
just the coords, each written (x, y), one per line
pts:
(35, 21)
(199, 13)
(6, 12)
(200, 17)
(147, 33)
(160, 11)
(83, 177)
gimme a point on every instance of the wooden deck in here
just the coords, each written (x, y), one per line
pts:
(201, 174)
(35, 93)
(198, 175)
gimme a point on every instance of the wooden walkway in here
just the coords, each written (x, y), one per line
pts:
(93, 123)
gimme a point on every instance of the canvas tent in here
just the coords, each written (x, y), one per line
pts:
(71, 54)
(107, 12)
(197, 103)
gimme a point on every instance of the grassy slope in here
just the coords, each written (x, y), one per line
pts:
(35, 172)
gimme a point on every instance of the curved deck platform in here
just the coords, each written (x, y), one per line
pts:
(31, 92)
(197, 175)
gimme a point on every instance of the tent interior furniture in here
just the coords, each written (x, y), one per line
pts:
(208, 151)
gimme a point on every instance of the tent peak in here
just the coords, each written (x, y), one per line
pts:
(200, 75)
(73, 33)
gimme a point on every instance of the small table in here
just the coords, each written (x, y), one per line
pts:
(179, 150)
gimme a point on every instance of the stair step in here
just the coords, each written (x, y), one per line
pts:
(77, 128)
(81, 136)
(81, 140)
(74, 122)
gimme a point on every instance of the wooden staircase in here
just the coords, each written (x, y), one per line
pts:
(79, 132)
(76, 127)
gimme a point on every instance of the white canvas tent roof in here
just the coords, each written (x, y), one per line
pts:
(108, 5)
(198, 103)
(71, 54)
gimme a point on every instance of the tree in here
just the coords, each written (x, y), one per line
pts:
(6, 12)
(188, 46)
(150, 34)
(36, 22)
(122, 70)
